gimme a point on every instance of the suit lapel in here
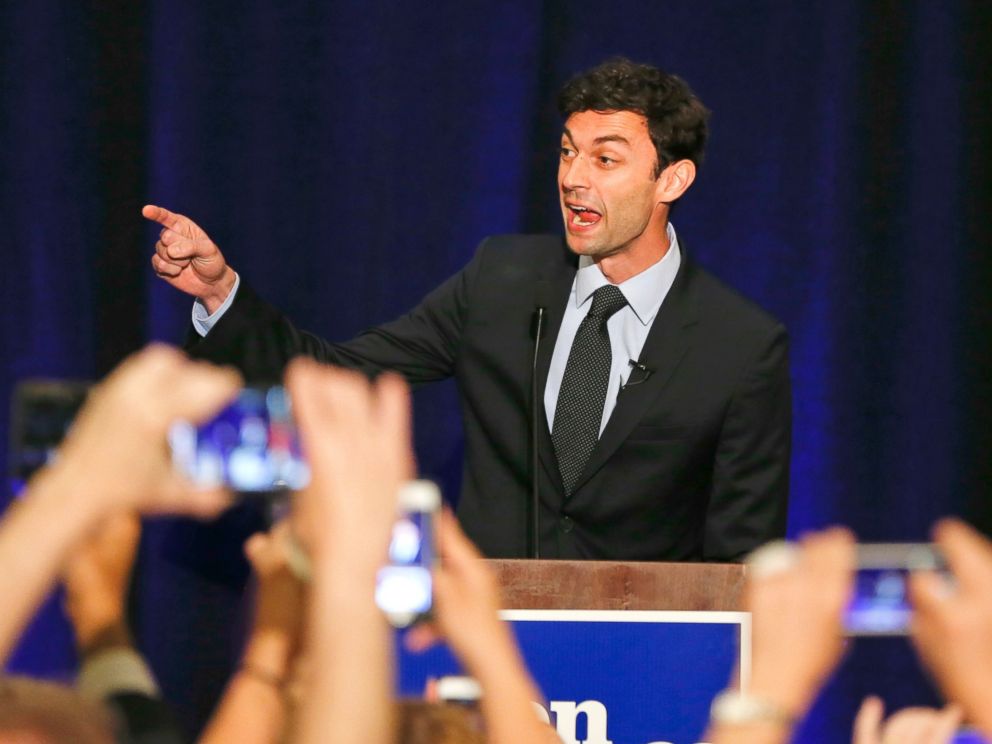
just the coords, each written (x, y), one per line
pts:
(667, 343)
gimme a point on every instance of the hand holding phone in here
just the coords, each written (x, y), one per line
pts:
(404, 587)
(252, 446)
(880, 602)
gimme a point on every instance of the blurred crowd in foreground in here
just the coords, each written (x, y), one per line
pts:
(318, 662)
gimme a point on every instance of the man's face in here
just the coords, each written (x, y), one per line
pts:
(606, 182)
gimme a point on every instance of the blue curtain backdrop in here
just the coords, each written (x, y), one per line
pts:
(349, 156)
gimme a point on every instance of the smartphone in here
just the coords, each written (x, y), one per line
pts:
(41, 413)
(251, 447)
(465, 693)
(880, 602)
(404, 586)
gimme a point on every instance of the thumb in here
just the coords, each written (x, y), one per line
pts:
(947, 723)
(868, 721)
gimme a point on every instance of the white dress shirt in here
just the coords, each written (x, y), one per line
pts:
(628, 327)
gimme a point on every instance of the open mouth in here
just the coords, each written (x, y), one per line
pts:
(582, 216)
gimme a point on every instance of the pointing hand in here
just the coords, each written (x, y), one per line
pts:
(188, 259)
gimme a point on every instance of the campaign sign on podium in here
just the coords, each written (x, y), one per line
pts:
(618, 676)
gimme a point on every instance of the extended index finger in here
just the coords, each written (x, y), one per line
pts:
(161, 215)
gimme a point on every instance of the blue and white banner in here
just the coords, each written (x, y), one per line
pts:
(618, 677)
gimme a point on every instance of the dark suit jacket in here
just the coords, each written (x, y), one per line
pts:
(693, 463)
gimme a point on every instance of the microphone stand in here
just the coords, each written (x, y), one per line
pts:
(534, 547)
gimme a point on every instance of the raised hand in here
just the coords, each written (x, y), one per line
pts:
(907, 726)
(115, 455)
(796, 595)
(275, 634)
(952, 623)
(357, 438)
(188, 259)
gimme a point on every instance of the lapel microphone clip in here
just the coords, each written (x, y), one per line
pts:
(639, 374)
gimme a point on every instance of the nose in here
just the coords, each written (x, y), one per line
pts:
(575, 174)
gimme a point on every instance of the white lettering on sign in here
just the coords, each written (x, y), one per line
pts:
(566, 712)
(566, 721)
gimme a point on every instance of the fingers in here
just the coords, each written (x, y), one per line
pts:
(868, 721)
(455, 548)
(166, 268)
(946, 724)
(421, 637)
(334, 406)
(830, 550)
(255, 548)
(162, 216)
(199, 392)
(267, 551)
(968, 554)
(921, 726)
(178, 496)
(179, 251)
(394, 410)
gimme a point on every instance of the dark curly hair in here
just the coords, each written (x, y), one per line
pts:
(676, 118)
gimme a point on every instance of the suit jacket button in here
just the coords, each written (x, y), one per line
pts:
(566, 524)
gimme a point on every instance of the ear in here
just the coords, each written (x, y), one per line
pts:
(674, 180)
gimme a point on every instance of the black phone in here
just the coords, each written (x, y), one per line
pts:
(252, 446)
(42, 411)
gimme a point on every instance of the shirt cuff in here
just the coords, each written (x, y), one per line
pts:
(115, 671)
(203, 322)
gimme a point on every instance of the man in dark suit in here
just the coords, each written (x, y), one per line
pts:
(666, 399)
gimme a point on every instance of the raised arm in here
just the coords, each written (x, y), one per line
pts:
(467, 599)
(357, 437)
(952, 624)
(253, 707)
(796, 596)
(114, 459)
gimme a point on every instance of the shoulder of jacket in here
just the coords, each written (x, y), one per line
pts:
(717, 300)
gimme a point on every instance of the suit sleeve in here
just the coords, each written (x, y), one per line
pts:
(750, 487)
(422, 345)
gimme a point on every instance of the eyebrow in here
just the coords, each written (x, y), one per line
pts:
(599, 140)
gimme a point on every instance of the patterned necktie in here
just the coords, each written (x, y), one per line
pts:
(579, 412)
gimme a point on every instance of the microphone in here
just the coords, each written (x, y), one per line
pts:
(639, 374)
(538, 327)
(538, 319)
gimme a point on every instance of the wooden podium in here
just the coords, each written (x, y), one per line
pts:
(619, 585)
(625, 652)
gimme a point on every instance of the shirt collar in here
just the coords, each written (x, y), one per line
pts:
(644, 292)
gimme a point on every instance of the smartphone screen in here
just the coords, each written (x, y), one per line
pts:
(404, 586)
(252, 446)
(880, 602)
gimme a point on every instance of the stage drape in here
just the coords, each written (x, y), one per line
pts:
(350, 156)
